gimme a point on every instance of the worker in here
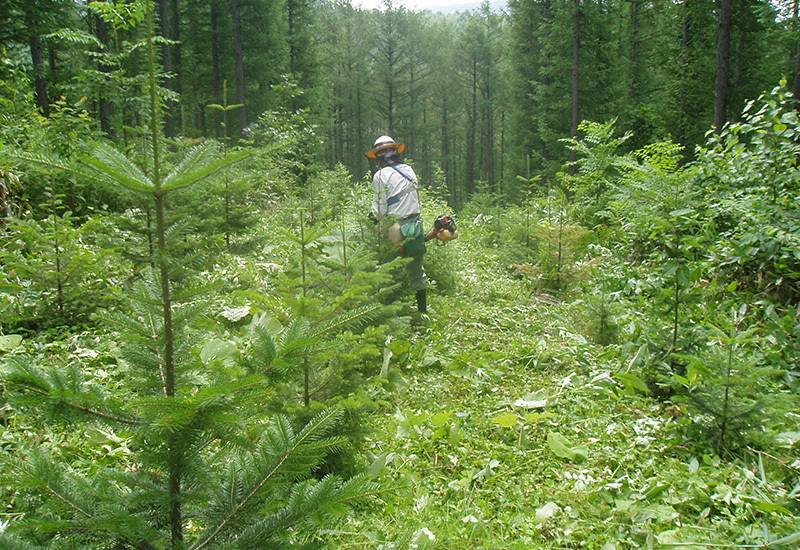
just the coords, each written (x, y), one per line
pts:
(396, 199)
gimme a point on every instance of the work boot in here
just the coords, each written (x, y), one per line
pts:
(422, 305)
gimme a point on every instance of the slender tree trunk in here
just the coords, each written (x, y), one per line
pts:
(546, 83)
(51, 59)
(796, 87)
(446, 150)
(166, 63)
(40, 84)
(175, 469)
(576, 19)
(292, 8)
(723, 69)
(359, 129)
(684, 77)
(634, 46)
(412, 105)
(390, 101)
(472, 129)
(738, 60)
(106, 107)
(177, 65)
(215, 73)
(238, 59)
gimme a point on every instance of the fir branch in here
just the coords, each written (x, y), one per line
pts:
(281, 439)
(111, 166)
(41, 160)
(197, 157)
(357, 317)
(37, 472)
(198, 175)
(56, 389)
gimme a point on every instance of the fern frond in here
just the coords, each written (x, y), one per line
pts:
(77, 37)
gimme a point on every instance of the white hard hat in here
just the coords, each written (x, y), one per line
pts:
(384, 142)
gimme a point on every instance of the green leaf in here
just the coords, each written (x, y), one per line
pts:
(10, 341)
(505, 420)
(536, 417)
(7, 288)
(562, 448)
(440, 419)
(770, 507)
(786, 542)
(218, 350)
(633, 382)
(680, 212)
(399, 347)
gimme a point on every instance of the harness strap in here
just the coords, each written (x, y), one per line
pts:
(408, 189)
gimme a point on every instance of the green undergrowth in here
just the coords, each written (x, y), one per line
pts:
(504, 427)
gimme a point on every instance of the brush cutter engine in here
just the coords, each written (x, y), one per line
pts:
(444, 229)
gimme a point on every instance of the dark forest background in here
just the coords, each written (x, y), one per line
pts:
(480, 96)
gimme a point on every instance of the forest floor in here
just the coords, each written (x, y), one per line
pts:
(503, 426)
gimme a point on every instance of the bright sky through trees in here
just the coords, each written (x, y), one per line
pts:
(415, 4)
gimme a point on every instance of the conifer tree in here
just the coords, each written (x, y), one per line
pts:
(201, 455)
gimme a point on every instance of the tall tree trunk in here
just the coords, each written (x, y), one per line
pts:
(634, 46)
(175, 35)
(576, 19)
(40, 84)
(359, 129)
(446, 146)
(472, 129)
(390, 102)
(106, 107)
(796, 87)
(490, 136)
(412, 105)
(166, 62)
(291, 6)
(684, 77)
(215, 73)
(723, 59)
(546, 62)
(238, 59)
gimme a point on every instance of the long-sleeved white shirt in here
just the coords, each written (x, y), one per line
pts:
(389, 182)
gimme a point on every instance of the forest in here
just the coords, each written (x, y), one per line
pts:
(205, 343)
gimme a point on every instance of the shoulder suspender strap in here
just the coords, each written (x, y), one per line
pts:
(396, 169)
(408, 188)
